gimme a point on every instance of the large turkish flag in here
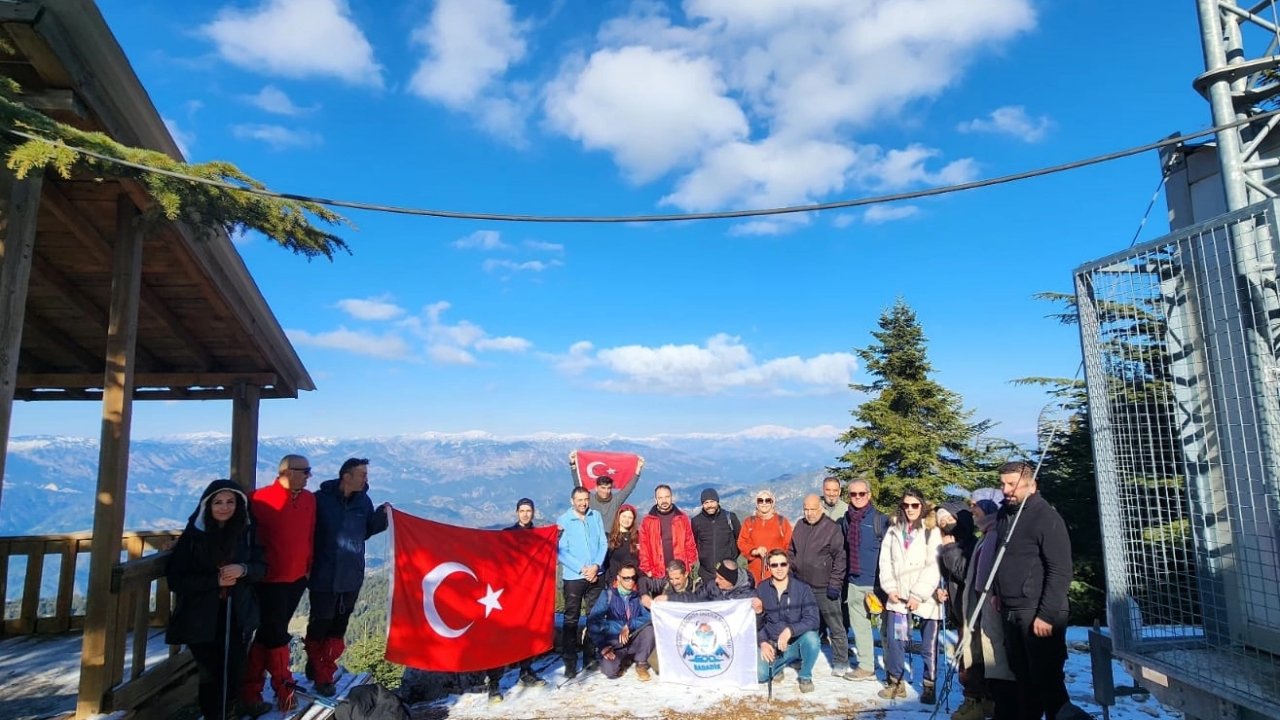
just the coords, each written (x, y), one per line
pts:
(464, 600)
(588, 465)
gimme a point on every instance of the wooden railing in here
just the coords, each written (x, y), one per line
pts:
(56, 613)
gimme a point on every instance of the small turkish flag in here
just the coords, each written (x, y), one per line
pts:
(590, 464)
(464, 600)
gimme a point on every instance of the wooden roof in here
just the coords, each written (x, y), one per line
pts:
(203, 325)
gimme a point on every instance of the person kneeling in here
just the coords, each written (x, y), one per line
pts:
(788, 627)
(620, 628)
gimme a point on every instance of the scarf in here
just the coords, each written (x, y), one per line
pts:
(854, 518)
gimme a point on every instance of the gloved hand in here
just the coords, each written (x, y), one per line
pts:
(833, 593)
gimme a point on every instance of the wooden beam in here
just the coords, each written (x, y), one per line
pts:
(100, 659)
(143, 380)
(25, 13)
(155, 306)
(19, 218)
(147, 394)
(43, 329)
(35, 50)
(56, 101)
(244, 435)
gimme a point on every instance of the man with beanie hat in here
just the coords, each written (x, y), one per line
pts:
(715, 533)
(731, 583)
(524, 521)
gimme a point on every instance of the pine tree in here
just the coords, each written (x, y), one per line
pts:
(912, 432)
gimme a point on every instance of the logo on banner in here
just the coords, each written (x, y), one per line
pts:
(706, 643)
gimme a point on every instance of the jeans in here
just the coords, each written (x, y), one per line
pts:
(638, 649)
(806, 648)
(860, 622)
(895, 648)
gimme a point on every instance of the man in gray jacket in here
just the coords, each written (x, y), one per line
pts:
(818, 555)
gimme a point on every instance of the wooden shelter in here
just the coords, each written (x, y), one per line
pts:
(95, 305)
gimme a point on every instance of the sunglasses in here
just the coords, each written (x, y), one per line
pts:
(777, 564)
(910, 505)
(858, 494)
(627, 578)
(764, 501)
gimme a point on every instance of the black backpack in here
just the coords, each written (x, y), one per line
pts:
(371, 702)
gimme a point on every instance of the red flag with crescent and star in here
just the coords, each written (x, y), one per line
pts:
(464, 600)
(588, 465)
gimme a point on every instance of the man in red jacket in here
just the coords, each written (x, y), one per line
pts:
(285, 514)
(665, 535)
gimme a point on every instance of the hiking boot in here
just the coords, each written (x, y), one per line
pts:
(970, 709)
(570, 671)
(895, 689)
(590, 665)
(528, 679)
(860, 674)
(642, 673)
(495, 694)
(927, 695)
(806, 685)
(326, 689)
(254, 710)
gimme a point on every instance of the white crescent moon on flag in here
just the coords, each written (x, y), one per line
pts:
(430, 583)
(591, 473)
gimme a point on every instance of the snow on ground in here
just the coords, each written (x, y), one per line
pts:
(39, 676)
(593, 696)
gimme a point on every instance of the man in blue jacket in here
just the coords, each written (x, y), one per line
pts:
(863, 527)
(581, 554)
(345, 519)
(620, 626)
(787, 626)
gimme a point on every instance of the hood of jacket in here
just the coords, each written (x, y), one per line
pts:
(196, 520)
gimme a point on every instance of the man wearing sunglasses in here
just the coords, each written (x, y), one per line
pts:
(863, 527)
(284, 514)
(620, 627)
(788, 626)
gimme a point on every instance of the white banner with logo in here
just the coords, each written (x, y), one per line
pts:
(709, 644)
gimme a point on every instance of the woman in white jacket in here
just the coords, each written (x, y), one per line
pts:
(908, 576)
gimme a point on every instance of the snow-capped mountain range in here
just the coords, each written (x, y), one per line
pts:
(469, 478)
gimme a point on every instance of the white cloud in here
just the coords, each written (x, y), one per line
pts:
(296, 38)
(844, 220)
(457, 344)
(545, 246)
(182, 138)
(388, 346)
(653, 110)
(887, 213)
(760, 103)
(274, 100)
(492, 265)
(470, 46)
(277, 136)
(370, 308)
(1011, 120)
(719, 365)
(481, 240)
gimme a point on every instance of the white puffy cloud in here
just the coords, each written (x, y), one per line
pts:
(721, 364)
(388, 346)
(887, 213)
(899, 169)
(493, 265)
(481, 240)
(275, 101)
(456, 344)
(1011, 120)
(544, 246)
(652, 109)
(470, 45)
(296, 38)
(770, 173)
(277, 136)
(370, 308)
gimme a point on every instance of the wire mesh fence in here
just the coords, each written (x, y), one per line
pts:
(1181, 339)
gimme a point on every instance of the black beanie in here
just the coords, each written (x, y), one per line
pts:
(525, 501)
(728, 573)
(710, 494)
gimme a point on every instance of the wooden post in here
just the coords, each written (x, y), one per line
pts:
(244, 435)
(19, 241)
(100, 656)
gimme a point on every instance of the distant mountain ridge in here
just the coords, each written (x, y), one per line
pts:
(468, 478)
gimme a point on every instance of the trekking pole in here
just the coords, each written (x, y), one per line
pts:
(226, 656)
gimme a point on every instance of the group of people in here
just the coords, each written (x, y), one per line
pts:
(844, 568)
(238, 572)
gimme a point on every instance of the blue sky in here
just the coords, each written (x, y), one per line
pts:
(573, 107)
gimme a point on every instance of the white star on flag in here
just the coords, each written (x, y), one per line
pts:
(490, 599)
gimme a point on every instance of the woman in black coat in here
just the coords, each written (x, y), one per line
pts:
(210, 572)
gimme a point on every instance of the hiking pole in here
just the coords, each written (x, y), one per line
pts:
(226, 656)
(329, 702)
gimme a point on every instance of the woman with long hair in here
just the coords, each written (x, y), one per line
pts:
(624, 543)
(210, 572)
(909, 576)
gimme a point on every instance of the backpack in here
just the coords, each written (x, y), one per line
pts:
(371, 702)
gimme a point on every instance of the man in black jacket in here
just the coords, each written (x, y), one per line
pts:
(818, 555)
(1031, 585)
(715, 533)
(524, 521)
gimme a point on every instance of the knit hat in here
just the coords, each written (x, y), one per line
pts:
(524, 501)
(710, 494)
(730, 574)
(953, 508)
(995, 495)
